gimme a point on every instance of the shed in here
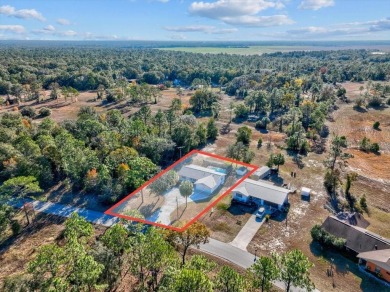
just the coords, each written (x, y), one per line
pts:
(305, 192)
(261, 173)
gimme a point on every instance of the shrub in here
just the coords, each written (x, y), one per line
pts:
(44, 112)
(327, 239)
(376, 125)
(363, 203)
(15, 227)
(259, 143)
(28, 111)
(374, 147)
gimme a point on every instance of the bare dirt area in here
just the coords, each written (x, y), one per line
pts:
(16, 252)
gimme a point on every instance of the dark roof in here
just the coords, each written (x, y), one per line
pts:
(355, 219)
(358, 239)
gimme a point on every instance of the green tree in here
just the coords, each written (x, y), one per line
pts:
(187, 280)
(244, 135)
(164, 183)
(278, 160)
(201, 134)
(212, 130)
(294, 269)
(376, 125)
(228, 280)
(186, 189)
(196, 234)
(263, 272)
(19, 187)
(77, 228)
(336, 151)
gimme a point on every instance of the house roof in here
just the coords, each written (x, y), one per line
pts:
(263, 191)
(355, 219)
(197, 172)
(380, 257)
(208, 181)
(263, 170)
(358, 239)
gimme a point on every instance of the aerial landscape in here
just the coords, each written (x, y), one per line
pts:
(181, 145)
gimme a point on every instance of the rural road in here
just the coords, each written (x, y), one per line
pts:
(237, 256)
(66, 210)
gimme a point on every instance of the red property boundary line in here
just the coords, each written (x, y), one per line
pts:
(111, 212)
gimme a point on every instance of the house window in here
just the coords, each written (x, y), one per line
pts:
(377, 270)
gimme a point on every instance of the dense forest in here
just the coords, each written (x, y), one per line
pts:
(85, 69)
(109, 155)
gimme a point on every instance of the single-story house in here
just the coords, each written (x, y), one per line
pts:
(205, 180)
(261, 193)
(377, 262)
(358, 239)
(261, 173)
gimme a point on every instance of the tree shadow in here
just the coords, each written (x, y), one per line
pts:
(359, 109)
(39, 221)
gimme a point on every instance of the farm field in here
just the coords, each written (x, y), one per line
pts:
(259, 50)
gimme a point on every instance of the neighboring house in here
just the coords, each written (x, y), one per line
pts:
(357, 238)
(261, 173)
(377, 262)
(261, 193)
(206, 180)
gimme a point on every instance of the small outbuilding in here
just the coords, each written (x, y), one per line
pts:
(262, 173)
(305, 193)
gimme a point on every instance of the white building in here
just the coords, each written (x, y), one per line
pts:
(206, 180)
(261, 193)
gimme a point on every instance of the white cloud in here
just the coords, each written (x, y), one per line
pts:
(49, 28)
(341, 30)
(244, 12)
(259, 21)
(63, 21)
(189, 28)
(12, 28)
(200, 28)
(315, 4)
(229, 8)
(22, 13)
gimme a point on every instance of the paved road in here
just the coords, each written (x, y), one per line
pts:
(237, 256)
(66, 210)
(247, 232)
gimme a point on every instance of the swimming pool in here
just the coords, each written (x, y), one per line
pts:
(218, 169)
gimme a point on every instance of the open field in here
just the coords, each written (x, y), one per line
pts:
(259, 50)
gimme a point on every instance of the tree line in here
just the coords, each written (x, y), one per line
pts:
(128, 257)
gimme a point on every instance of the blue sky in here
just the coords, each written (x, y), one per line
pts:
(217, 20)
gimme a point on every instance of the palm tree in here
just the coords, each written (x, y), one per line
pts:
(186, 189)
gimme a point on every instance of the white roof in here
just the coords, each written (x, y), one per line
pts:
(208, 181)
(197, 172)
(380, 257)
(262, 170)
(305, 191)
(263, 191)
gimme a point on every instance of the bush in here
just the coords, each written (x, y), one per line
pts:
(376, 125)
(28, 111)
(259, 143)
(15, 227)
(327, 239)
(44, 112)
(374, 147)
